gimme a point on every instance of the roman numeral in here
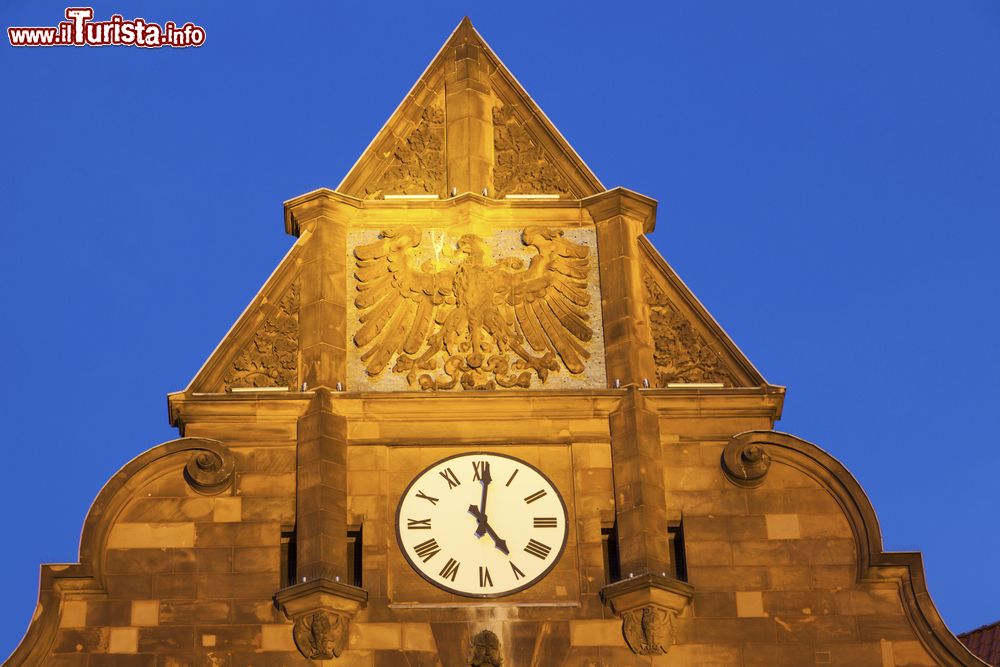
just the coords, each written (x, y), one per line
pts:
(541, 522)
(534, 496)
(484, 577)
(517, 573)
(477, 470)
(512, 477)
(427, 550)
(536, 548)
(450, 477)
(425, 524)
(432, 499)
(450, 569)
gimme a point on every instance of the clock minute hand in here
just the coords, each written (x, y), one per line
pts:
(486, 479)
(488, 529)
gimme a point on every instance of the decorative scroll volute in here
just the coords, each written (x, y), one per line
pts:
(270, 359)
(681, 353)
(745, 462)
(210, 470)
(461, 317)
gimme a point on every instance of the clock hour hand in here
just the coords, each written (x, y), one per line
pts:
(488, 529)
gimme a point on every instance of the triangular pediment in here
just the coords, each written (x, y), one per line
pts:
(689, 346)
(467, 125)
(310, 310)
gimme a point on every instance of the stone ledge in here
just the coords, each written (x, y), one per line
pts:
(321, 595)
(647, 589)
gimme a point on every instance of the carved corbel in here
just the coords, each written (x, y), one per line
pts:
(648, 606)
(745, 462)
(321, 611)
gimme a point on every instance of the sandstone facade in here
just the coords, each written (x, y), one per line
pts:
(471, 286)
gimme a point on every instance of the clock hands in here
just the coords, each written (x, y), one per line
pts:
(482, 525)
(488, 529)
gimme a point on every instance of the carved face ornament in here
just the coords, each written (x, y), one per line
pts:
(485, 650)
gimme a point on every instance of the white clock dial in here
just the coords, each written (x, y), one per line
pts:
(482, 524)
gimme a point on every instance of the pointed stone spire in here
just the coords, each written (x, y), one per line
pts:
(467, 125)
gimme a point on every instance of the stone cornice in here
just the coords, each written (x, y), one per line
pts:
(491, 406)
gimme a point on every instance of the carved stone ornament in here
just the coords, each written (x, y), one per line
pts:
(648, 604)
(521, 166)
(648, 630)
(680, 353)
(418, 164)
(745, 463)
(209, 471)
(484, 650)
(321, 610)
(321, 635)
(271, 358)
(464, 318)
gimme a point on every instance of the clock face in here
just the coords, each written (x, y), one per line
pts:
(482, 524)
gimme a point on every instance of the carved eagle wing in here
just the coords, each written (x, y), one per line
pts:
(632, 630)
(550, 298)
(396, 301)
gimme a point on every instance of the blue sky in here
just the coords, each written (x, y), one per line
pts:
(828, 176)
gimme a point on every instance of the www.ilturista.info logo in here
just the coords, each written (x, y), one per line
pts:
(80, 30)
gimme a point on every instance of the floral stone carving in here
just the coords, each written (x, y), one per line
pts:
(418, 163)
(681, 354)
(484, 650)
(271, 358)
(648, 630)
(459, 317)
(521, 166)
(321, 635)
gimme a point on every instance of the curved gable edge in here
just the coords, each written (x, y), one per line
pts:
(874, 564)
(86, 577)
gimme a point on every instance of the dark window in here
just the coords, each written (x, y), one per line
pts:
(354, 550)
(678, 559)
(612, 563)
(288, 557)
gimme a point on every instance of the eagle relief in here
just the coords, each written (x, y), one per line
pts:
(513, 310)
